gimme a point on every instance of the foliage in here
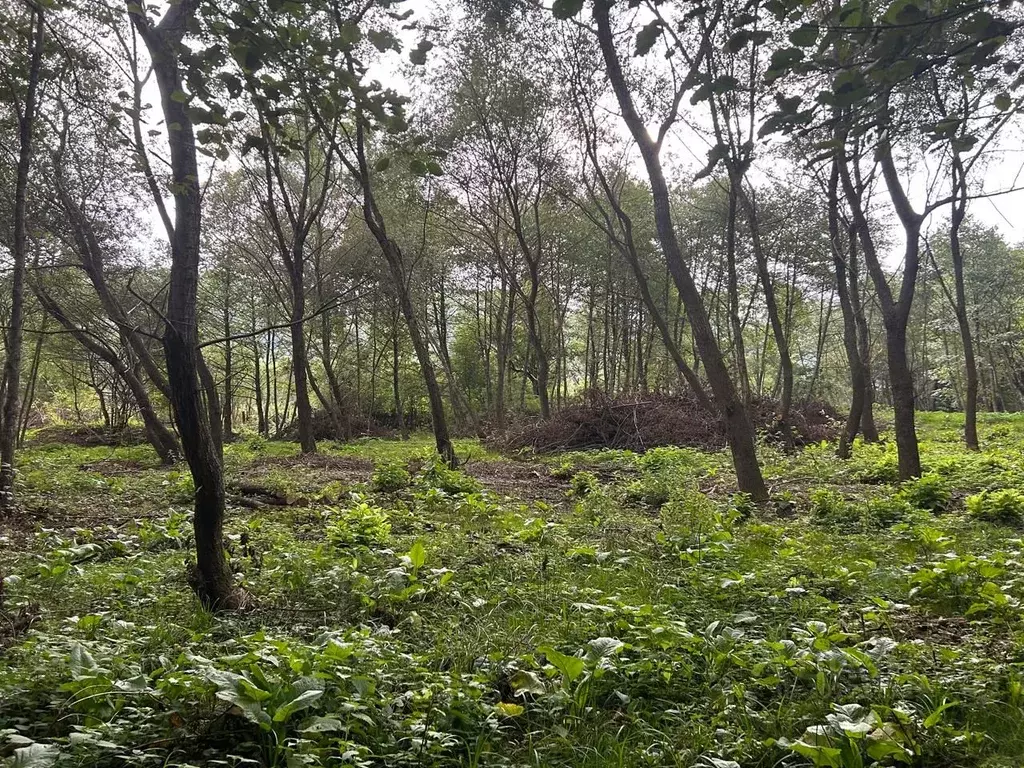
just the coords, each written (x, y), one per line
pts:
(390, 476)
(361, 524)
(1003, 506)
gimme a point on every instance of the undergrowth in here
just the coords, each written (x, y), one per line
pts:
(640, 615)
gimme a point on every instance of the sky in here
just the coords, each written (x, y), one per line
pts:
(686, 151)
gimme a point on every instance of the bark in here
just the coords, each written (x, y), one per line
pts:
(212, 578)
(895, 310)
(19, 252)
(778, 331)
(359, 168)
(857, 380)
(960, 306)
(739, 429)
(159, 436)
(229, 383)
(30, 387)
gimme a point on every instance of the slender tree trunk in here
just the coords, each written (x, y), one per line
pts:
(159, 436)
(778, 331)
(30, 388)
(739, 429)
(15, 334)
(853, 357)
(733, 287)
(303, 408)
(960, 307)
(229, 383)
(212, 578)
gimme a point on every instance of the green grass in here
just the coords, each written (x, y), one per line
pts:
(640, 615)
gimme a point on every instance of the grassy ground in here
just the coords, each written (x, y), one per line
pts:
(596, 609)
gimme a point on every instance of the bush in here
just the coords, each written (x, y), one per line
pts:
(362, 524)
(583, 484)
(390, 476)
(1005, 506)
(928, 492)
(885, 470)
(830, 508)
(652, 490)
(887, 511)
(451, 481)
(642, 422)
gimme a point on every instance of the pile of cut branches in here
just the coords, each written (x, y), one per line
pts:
(639, 422)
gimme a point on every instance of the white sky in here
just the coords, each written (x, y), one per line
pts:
(686, 151)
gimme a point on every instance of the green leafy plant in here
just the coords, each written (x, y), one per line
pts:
(583, 484)
(929, 492)
(390, 476)
(361, 524)
(1005, 506)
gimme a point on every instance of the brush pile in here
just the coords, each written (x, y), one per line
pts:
(639, 422)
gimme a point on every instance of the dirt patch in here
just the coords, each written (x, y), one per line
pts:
(118, 467)
(342, 464)
(523, 480)
(943, 630)
(89, 437)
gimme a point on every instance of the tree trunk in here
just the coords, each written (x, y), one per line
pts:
(781, 337)
(960, 307)
(853, 357)
(739, 429)
(303, 407)
(19, 252)
(159, 436)
(212, 579)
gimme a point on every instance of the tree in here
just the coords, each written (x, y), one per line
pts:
(739, 429)
(212, 578)
(24, 94)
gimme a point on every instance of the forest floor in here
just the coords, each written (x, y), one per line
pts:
(588, 609)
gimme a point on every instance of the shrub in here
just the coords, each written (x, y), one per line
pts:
(652, 490)
(362, 524)
(929, 492)
(583, 484)
(887, 511)
(1005, 506)
(451, 481)
(828, 505)
(884, 470)
(390, 476)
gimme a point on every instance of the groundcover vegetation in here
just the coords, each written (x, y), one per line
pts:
(598, 608)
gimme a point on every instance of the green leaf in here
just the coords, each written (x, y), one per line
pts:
(35, 756)
(738, 41)
(527, 682)
(935, 717)
(418, 554)
(180, 96)
(510, 710)
(819, 755)
(785, 58)
(1003, 102)
(715, 155)
(804, 36)
(382, 164)
(383, 40)
(647, 37)
(566, 9)
(601, 647)
(81, 660)
(323, 725)
(418, 55)
(571, 667)
(303, 700)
